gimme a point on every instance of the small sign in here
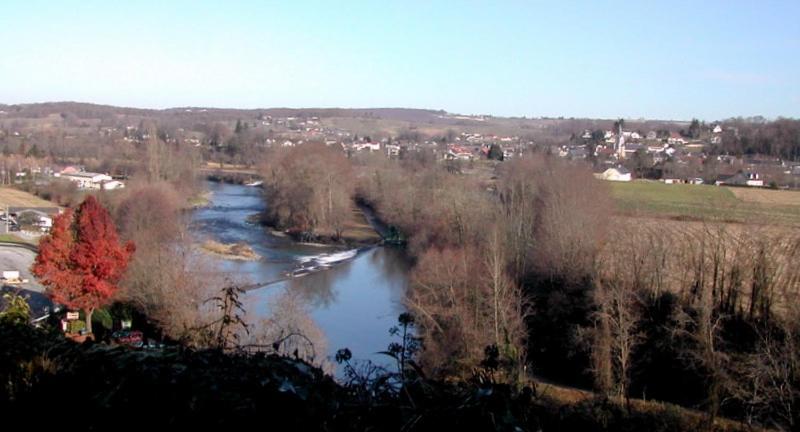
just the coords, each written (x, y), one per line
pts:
(126, 324)
(71, 316)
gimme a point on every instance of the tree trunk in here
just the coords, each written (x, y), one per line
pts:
(87, 313)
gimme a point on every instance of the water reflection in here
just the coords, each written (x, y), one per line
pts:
(353, 303)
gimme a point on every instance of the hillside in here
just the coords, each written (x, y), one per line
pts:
(407, 117)
(16, 198)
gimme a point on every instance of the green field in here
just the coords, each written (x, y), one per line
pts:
(698, 202)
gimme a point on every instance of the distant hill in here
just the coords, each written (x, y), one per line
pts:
(89, 110)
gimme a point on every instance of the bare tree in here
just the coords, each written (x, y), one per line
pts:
(618, 311)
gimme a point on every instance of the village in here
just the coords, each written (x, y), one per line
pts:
(670, 152)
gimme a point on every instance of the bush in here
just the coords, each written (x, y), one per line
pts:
(15, 309)
(76, 326)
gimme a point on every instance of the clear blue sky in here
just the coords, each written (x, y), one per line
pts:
(671, 60)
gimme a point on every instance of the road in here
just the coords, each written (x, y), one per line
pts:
(19, 258)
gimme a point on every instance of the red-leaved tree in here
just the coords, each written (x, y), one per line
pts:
(82, 260)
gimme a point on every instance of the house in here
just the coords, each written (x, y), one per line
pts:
(695, 147)
(367, 146)
(90, 180)
(694, 181)
(609, 137)
(632, 148)
(40, 218)
(392, 150)
(675, 138)
(36, 218)
(742, 178)
(717, 129)
(71, 169)
(656, 148)
(652, 135)
(615, 174)
(459, 153)
(112, 185)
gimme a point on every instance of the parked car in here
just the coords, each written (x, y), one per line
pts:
(132, 338)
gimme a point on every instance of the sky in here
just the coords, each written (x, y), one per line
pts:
(601, 59)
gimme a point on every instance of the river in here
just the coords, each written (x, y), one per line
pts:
(354, 303)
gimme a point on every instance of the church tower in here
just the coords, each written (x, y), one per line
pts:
(620, 145)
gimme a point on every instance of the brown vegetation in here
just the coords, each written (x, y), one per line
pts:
(234, 251)
(733, 322)
(162, 280)
(477, 247)
(639, 304)
(308, 188)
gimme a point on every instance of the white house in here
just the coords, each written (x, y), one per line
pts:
(367, 146)
(90, 180)
(113, 184)
(86, 180)
(675, 138)
(717, 129)
(742, 178)
(392, 150)
(40, 219)
(615, 174)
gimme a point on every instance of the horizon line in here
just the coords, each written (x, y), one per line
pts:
(526, 117)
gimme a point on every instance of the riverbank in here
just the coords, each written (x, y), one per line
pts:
(234, 251)
(201, 199)
(360, 230)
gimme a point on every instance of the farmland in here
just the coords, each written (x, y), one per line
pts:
(705, 202)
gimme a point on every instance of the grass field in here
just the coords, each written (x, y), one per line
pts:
(767, 196)
(705, 202)
(17, 198)
(12, 238)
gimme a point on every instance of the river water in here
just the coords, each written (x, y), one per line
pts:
(354, 303)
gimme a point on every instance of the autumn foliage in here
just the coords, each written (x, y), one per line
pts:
(82, 259)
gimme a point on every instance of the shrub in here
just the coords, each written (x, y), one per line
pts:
(76, 326)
